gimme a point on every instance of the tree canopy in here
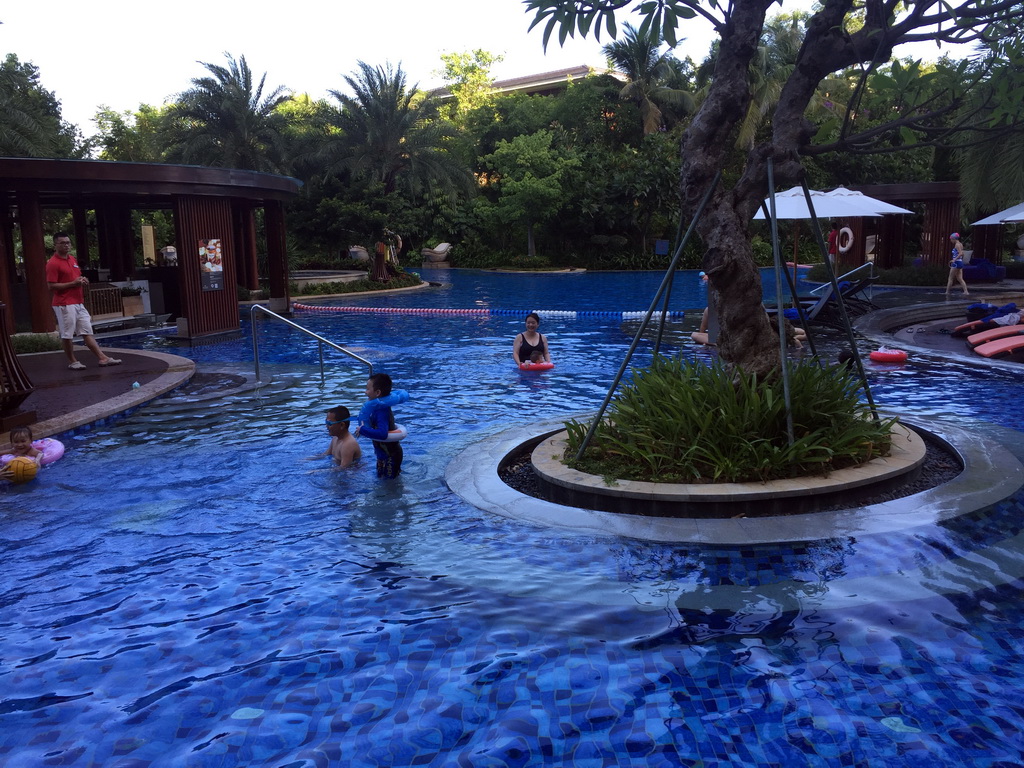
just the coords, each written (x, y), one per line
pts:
(840, 34)
(226, 120)
(30, 116)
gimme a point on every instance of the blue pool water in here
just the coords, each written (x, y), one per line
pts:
(188, 588)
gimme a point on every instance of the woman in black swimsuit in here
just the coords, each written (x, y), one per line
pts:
(529, 341)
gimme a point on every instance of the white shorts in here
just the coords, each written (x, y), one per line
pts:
(73, 320)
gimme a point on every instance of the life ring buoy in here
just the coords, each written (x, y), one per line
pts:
(397, 434)
(845, 239)
(50, 448)
(536, 366)
(886, 355)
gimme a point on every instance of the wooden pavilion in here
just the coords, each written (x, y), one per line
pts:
(938, 206)
(208, 204)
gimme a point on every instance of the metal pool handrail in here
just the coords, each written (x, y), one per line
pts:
(320, 342)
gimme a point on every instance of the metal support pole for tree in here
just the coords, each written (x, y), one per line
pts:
(668, 292)
(847, 326)
(666, 281)
(780, 317)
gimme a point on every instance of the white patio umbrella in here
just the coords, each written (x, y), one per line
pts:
(1009, 216)
(840, 202)
(871, 203)
(792, 204)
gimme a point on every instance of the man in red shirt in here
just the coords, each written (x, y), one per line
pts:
(833, 242)
(66, 281)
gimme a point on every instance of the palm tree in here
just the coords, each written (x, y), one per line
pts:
(225, 120)
(648, 73)
(384, 133)
(25, 129)
(992, 173)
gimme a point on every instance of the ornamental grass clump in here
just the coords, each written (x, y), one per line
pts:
(687, 422)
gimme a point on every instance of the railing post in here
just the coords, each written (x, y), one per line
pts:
(255, 344)
(320, 342)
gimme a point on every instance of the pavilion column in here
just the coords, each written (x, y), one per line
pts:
(252, 270)
(277, 256)
(81, 236)
(34, 251)
(942, 217)
(8, 272)
(114, 225)
(889, 248)
(245, 237)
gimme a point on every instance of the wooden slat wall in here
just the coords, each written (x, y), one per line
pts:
(985, 242)
(941, 218)
(198, 218)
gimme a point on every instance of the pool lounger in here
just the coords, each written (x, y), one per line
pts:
(967, 329)
(977, 339)
(1002, 347)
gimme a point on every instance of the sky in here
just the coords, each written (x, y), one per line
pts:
(121, 54)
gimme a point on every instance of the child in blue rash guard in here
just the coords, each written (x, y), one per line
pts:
(376, 420)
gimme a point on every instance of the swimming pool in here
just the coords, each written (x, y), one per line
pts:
(184, 588)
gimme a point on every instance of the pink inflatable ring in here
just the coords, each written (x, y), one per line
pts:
(886, 355)
(50, 448)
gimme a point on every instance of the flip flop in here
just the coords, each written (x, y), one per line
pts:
(77, 366)
(110, 361)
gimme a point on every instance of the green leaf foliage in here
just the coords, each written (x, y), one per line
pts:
(401, 280)
(687, 422)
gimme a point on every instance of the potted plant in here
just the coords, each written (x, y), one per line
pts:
(131, 299)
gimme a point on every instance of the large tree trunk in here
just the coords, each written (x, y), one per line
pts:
(746, 339)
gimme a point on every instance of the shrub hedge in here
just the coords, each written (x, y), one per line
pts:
(687, 422)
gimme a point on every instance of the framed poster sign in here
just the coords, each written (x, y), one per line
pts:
(211, 264)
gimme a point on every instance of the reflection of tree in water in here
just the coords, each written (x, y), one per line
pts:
(773, 636)
(816, 561)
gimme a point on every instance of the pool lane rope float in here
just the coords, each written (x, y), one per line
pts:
(548, 313)
(396, 397)
(888, 355)
(50, 449)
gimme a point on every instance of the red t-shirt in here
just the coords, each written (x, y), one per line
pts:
(60, 270)
(833, 237)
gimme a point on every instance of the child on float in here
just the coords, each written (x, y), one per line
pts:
(343, 446)
(21, 445)
(376, 420)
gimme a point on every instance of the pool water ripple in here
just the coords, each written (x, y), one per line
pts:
(189, 588)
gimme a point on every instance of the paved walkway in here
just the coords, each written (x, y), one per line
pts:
(64, 399)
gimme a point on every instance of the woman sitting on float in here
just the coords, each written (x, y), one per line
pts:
(529, 342)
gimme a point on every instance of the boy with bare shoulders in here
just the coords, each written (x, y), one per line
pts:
(344, 448)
